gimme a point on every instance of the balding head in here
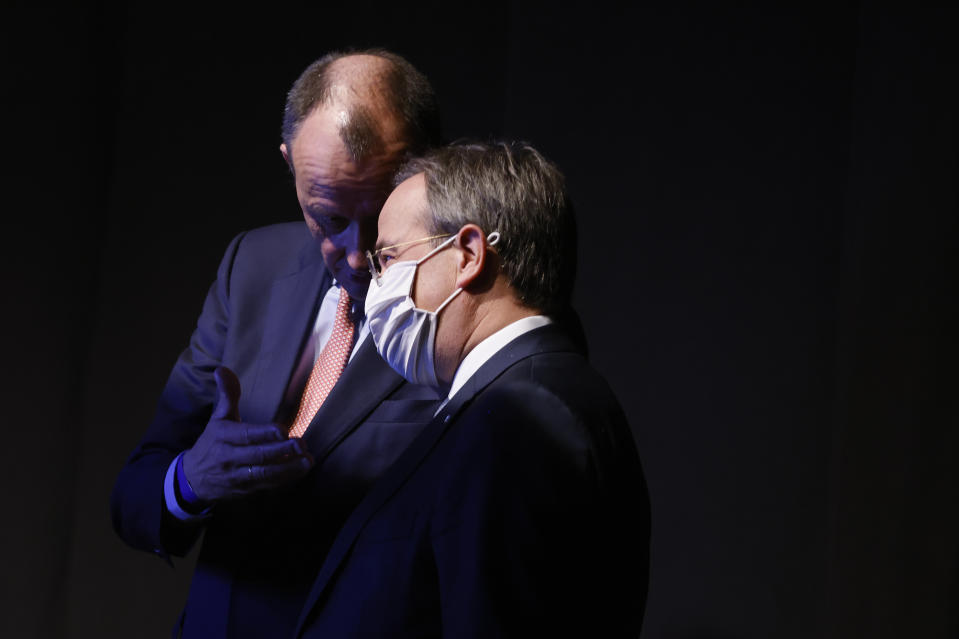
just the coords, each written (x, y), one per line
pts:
(378, 97)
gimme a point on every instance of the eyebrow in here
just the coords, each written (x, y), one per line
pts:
(353, 188)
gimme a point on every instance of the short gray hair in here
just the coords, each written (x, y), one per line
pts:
(508, 187)
(404, 91)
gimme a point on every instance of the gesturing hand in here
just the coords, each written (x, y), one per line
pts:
(232, 458)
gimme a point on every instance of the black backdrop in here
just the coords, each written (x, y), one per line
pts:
(768, 211)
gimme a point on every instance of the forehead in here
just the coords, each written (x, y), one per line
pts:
(326, 176)
(403, 214)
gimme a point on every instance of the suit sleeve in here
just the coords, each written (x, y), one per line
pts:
(137, 504)
(529, 536)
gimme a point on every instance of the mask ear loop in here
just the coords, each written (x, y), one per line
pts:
(492, 238)
(448, 300)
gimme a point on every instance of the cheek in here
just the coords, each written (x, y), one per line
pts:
(429, 288)
(327, 246)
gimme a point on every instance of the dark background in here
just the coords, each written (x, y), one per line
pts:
(768, 211)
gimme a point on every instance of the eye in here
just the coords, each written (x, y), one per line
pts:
(382, 261)
(333, 224)
(326, 223)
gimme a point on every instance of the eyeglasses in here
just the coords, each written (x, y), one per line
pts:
(373, 258)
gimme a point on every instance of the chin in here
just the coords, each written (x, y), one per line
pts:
(357, 290)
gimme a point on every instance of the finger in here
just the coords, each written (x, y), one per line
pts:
(269, 453)
(273, 475)
(243, 434)
(227, 394)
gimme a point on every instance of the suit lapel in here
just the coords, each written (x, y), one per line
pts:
(541, 340)
(364, 383)
(293, 302)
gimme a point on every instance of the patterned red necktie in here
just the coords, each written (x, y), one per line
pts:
(328, 367)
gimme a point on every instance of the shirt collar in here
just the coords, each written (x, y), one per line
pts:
(483, 351)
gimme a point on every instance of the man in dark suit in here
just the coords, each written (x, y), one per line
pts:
(282, 344)
(521, 510)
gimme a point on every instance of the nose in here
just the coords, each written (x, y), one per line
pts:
(356, 259)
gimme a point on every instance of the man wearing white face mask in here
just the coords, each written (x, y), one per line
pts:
(521, 509)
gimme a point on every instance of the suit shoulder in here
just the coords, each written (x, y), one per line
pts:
(554, 392)
(547, 393)
(273, 251)
(567, 376)
(276, 237)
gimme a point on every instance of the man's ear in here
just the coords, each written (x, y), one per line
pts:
(286, 156)
(471, 262)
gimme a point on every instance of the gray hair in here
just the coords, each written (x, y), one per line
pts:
(399, 87)
(507, 187)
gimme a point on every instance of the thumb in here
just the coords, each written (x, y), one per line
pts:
(227, 394)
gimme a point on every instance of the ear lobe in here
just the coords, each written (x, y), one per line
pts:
(471, 263)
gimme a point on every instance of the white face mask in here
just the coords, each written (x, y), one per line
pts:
(405, 335)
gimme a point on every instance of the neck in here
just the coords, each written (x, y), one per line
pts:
(480, 317)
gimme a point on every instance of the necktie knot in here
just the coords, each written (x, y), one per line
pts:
(344, 303)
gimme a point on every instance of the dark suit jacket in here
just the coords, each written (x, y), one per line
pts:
(521, 510)
(259, 556)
